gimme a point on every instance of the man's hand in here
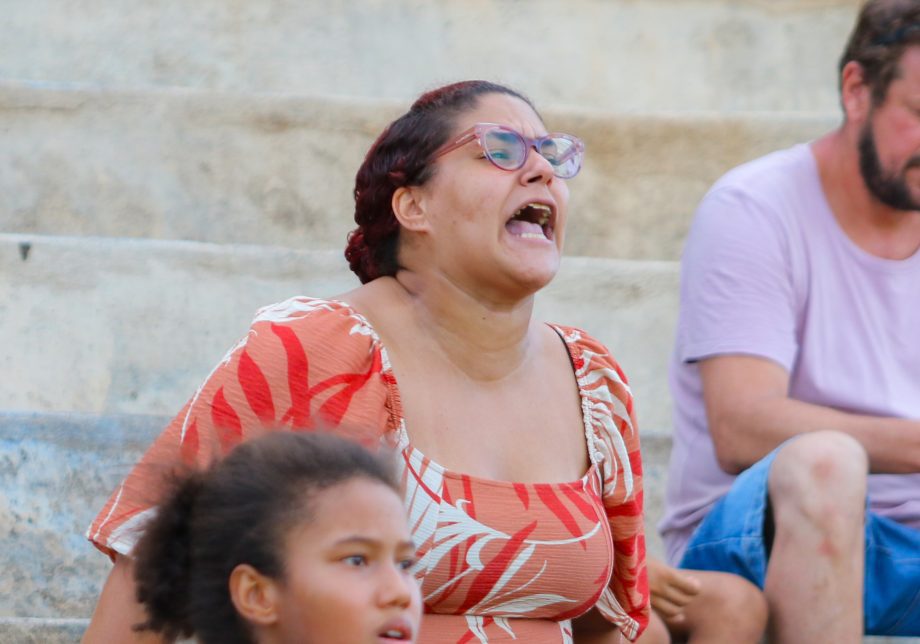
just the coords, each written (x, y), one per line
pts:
(671, 590)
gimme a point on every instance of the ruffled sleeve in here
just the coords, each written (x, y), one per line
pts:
(615, 438)
(304, 363)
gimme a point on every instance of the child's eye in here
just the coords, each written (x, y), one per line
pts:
(407, 564)
(355, 560)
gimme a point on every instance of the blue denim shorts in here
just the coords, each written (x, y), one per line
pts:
(732, 539)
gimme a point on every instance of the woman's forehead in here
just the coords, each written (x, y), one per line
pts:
(502, 109)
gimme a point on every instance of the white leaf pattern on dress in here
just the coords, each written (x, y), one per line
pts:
(446, 526)
(603, 404)
(527, 604)
(522, 557)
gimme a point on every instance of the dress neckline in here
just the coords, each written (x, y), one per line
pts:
(404, 443)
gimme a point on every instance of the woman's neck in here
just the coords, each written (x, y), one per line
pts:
(484, 337)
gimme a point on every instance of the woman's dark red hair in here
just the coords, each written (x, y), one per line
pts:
(402, 156)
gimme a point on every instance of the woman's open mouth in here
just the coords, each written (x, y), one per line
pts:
(533, 220)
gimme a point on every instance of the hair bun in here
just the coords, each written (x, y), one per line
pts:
(359, 256)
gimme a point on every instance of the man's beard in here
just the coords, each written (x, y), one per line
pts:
(888, 187)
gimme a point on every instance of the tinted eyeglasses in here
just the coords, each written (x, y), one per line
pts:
(508, 150)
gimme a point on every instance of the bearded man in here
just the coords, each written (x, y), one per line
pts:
(796, 373)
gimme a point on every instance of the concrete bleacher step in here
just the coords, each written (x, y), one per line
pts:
(234, 168)
(609, 54)
(134, 325)
(41, 630)
(50, 631)
(58, 470)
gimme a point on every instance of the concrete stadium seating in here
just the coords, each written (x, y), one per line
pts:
(229, 168)
(606, 54)
(138, 323)
(167, 168)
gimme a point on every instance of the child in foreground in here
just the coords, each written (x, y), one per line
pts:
(291, 538)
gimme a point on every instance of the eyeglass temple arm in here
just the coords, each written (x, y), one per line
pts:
(463, 139)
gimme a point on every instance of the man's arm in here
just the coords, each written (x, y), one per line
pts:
(118, 611)
(750, 413)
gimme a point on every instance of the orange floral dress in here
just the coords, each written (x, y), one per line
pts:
(498, 561)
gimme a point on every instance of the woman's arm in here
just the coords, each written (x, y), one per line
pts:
(118, 611)
(592, 628)
(309, 343)
(615, 443)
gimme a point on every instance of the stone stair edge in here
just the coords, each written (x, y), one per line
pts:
(714, 53)
(25, 424)
(41, 630)
(26, 93)
(55, 629)
(192, 300)
(214, 169)
(186, 247)
(65, 622)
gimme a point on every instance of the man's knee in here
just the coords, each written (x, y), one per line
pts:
(819, 476)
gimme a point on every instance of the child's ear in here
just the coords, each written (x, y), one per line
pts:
(255, 596)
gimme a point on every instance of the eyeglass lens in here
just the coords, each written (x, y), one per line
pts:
(507, 150)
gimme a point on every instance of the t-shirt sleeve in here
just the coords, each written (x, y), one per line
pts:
(625, 601)
(737, 289)
(303, 364)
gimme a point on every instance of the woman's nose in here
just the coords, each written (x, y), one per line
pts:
(537, 168)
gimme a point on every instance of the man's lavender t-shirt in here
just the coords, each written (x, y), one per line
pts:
(767, 271)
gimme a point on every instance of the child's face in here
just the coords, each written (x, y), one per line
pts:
(347, 573)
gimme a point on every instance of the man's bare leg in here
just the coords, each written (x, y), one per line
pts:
(814, 580)
(728, 610)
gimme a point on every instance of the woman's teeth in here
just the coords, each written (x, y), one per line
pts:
(545, 212)
(531, 221)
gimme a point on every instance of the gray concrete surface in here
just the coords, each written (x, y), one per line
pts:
(609, 54)
(133, 326)
(236, 123)
(61, 631)
(41, 630)
(228, 168)
(57, 470)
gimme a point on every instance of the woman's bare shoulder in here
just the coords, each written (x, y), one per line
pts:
(380, 301)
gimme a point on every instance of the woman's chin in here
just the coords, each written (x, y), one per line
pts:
(534, 276)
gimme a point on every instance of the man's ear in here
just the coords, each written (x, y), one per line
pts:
(409, 207)
(855, 93)
(255, 596)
